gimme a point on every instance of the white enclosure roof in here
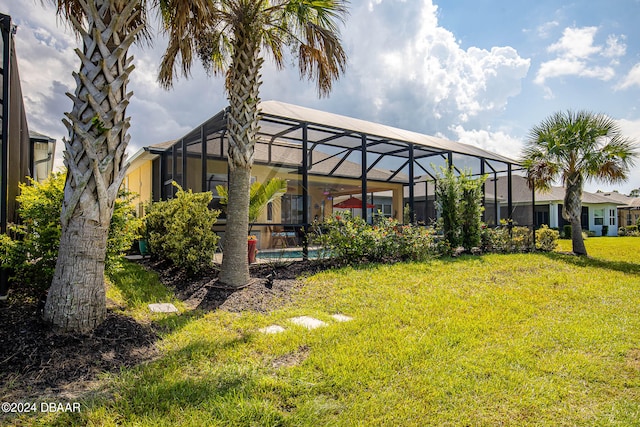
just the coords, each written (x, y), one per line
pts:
(356, 126)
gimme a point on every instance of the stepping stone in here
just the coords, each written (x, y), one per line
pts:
(165, 307)
(341, 317)
(273, 329)
(307, 322)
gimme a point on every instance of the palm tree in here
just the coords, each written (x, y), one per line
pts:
(237, 33)
(576, 147)
(260, 195)
(94, 154)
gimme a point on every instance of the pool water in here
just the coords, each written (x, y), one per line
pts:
(280, 254)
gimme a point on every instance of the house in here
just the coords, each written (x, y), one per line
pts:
(324, 157)
(597, 210)
(22, 153)
(628, 207)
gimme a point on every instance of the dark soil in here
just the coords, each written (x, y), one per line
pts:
(37, 362)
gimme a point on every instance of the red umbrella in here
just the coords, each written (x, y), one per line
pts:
(352, 203)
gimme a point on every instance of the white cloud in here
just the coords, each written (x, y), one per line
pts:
(415, 76)
(576, 43)
(577, 54)
(631, 129)
(420, 76)
(545, 29)
(631, 79)
(496, 142)
(616, 47)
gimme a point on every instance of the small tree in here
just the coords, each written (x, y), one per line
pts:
(471, 210)
(448, 196)
(460, 203)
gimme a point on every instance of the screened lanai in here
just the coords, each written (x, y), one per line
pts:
(326, 159)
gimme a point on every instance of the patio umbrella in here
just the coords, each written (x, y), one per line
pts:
(352, 203)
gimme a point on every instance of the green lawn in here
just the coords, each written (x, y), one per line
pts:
(530, 339)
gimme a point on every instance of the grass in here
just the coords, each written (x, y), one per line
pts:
(132, 288)
(528, 339)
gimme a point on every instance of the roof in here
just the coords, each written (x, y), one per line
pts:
(521, 193)
(325, 121)
(287, 123)
(622, 199)
(37, 136)
(163, 145)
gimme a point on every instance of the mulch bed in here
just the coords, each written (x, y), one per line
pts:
(37, 362)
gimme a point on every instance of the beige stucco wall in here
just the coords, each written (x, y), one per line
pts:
(139, 180)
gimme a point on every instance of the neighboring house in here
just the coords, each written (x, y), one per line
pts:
(41, 155)
(325, 158)
(628, 208)
(597, 210)
(22, 153)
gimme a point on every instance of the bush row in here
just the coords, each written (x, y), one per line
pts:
(629, 230)
(351, 240)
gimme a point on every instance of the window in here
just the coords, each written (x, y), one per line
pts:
(612, 217)
(291, 206)
(213, 180)
(270, 211)
(384, 208)
(598, 216)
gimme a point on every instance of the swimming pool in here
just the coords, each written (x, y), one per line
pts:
(290, 254)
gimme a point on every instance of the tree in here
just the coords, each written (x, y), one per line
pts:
(94, 154)
(260, 195)
(459, 199)
(576, 147)
(448, 197)
(236, 33)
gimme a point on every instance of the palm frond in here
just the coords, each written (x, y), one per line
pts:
(264, 193)
(578, 145)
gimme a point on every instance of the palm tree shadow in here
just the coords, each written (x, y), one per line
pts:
(587, 261)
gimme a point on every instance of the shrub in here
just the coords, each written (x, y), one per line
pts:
(351, 240)
(123, 229)
(546, 238)
(347, 238)
(8, 249)
(566, 231)
(181, 230)
(605, 230)
(419, 243)
(38, 235)
(32, 255)
(502, 239)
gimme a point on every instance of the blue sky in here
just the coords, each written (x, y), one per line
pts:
(477, 71)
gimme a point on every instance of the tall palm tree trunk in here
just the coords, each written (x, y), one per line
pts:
(243, 83)
(95, 159)
(572, 211)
